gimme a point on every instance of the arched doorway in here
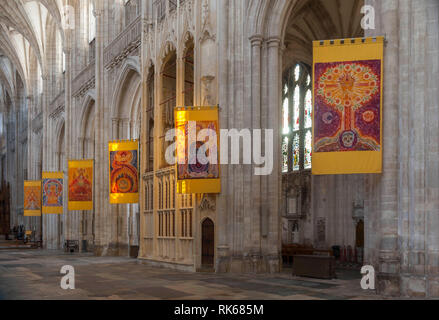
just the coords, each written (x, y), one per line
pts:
(207, 243)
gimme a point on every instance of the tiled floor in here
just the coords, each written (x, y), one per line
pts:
(35, 274)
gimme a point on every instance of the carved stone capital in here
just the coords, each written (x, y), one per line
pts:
(256, 40)
(273, 42)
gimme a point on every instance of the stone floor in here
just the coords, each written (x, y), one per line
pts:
(35, 274)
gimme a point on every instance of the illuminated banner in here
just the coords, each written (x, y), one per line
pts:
(80, 185)
(52, 188)
(32, 198)
(347, 115)
(197, 130)
(124, 172)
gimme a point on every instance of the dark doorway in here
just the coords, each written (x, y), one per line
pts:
(359, 234)
(207, 243)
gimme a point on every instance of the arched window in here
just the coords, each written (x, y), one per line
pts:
(297, 119)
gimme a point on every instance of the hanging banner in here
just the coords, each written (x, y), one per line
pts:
(80, 185)
(124, 172)
(197, 130)
(52, 188)
(347, 115)
(32, 199)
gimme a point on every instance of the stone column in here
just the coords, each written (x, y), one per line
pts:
(115, 128)
(103, 223)
(271, 249)
(432, 144)
(223, 247)
(68, 133)
(255, 185)
(388, 255)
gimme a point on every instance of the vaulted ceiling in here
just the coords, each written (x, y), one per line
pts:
(321, 20)
(23, 37)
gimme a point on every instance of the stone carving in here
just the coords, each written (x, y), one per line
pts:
(208, 99)
(207, 202)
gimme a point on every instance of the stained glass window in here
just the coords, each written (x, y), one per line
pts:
(297, 72)
(285, 115)
(308, 150)
(297, 119)
(285, 155)
(296, 152)
(296, 124)
(308, 109)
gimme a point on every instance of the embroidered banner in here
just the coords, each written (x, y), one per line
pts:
(80, 185)
(193, 175)
(347, 115)
(124, 172)
(52, 188)
(32, 199)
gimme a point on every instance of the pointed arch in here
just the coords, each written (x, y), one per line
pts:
(125, 109)
(87, 111)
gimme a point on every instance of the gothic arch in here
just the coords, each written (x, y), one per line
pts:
(164, 55)
(126, 100)
(60, 145)
(185, 39)
(130, 69)
(87, 112)
(59, 128)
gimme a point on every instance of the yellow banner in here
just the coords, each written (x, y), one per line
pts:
(124, 171)
(80, 177)
(347, 99)
(32, 198)
(194, 176)
(52, 188)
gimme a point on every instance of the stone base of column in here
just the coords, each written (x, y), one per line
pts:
(112, 250)
(253, 263)
(388, 284)
(413, 286)
(222, 260)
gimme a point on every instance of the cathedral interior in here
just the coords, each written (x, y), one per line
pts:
(76, 74)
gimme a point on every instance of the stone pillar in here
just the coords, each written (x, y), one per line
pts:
(255, 184)
(68, 134)
(271, 249)
(115, 128)
(223, 207)
(103, 223)
(408, 251)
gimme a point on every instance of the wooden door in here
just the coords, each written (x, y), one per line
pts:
(207, 243)
(359, 234)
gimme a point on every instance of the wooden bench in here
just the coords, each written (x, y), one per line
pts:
(290, 250)
(314, 266)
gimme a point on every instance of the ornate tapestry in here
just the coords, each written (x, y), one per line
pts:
(32, 198)
(347, 111)
(124, 174)
(347, 106)
(52, 188)
(193, 175)
(192, 167)
(80, 184)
